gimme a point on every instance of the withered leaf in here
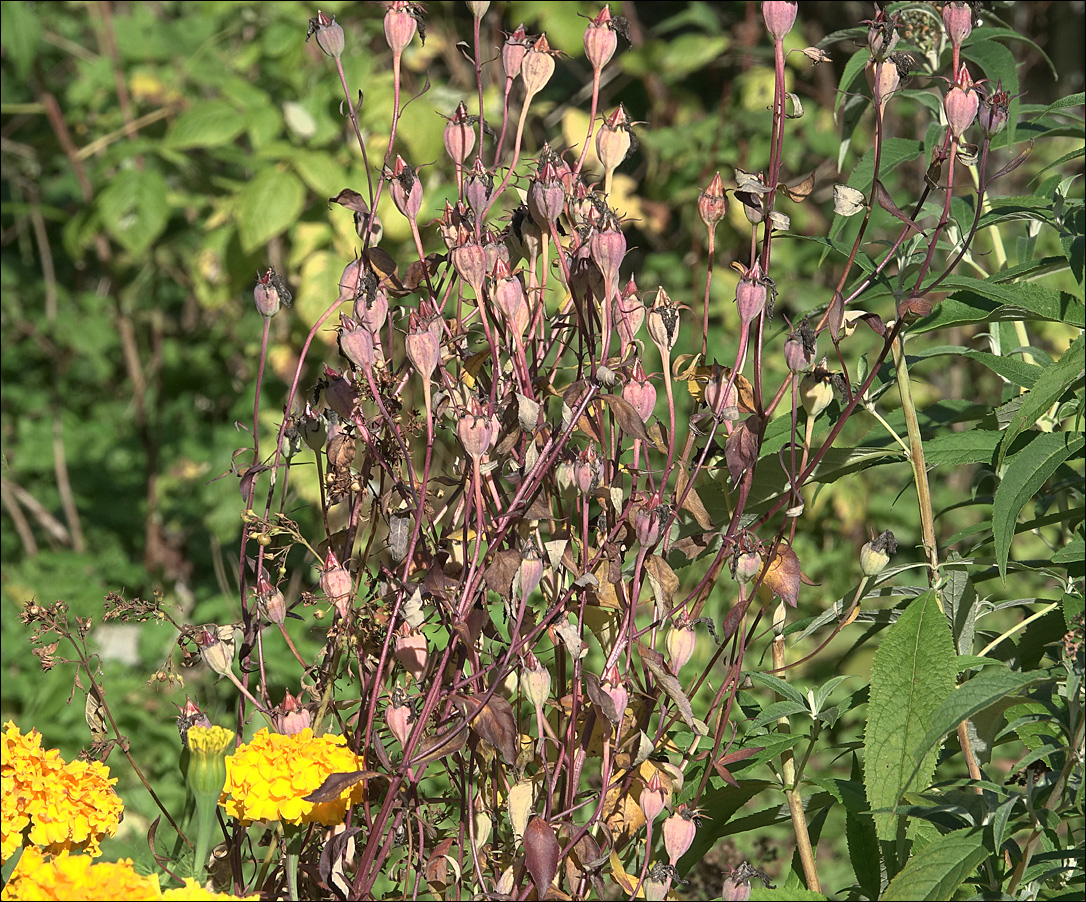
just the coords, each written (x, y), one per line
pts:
(499, 574)
(335, 785)
(437, 866)
(663, 579)
(600, 698)
(694, 546)
(847, 201)
(782, 576)
(433, 748)
(541, 850)
(494, 722)
(654, 663)
(628, 419)
(352, 200)
(834, 316)
(741, 448)
(692, 501)
(800, 191)
(887, 203)
(417, 272)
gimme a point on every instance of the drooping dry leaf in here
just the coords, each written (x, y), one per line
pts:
(436, 870)
(417, 272)
(335, 785)
(692, 501)
(887, 203)
(654, 663)
(800, 191)
(741, 448)
(847, 201)
(663, 579)
(433, 748)
(782, 576)
(499, 575)
(628, 419)
(494, 722)
(519, 804)
(527, 413)
(600, 698)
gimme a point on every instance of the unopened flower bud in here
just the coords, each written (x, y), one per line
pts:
(747, 567)
(600, 39)
(293, 716)
(217, 649)
(875, 555)
(607, 247)
(961, 103)
(816, 391)
(779, 17)
(469, 261)
(401, 23)
(398, 716)
(713, 203)
(208, 748)
(329, 35)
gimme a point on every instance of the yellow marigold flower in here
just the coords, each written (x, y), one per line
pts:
(56, 805)
(267, 779)
(193, 892)
(77, 877)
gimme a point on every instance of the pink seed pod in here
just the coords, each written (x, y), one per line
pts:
(751, 294)
(469, 261)
(546, 196)
(608, 248)
(270, 294)
(958, 21)
(663, 322)
(292, 716)
(423, 344)
(614, 139)
(475, 431)
(649, 520)
(537, 67)
(640, 392)
(721, 399)
(713, 203)
(587, 470)
(679, 830)
(405, 188)
(398, 716)
(531, 569)
(401, 23)
(336, 584)
(411, 651)
(536, 681)
(357, 343)
(882, 35)
(600, 39)
(270, 602)
(478, 187)
(961, 103)
(217, 654)
(329, 35)
(681, 642)
(628, 314)
(612, 685)
(516, 45)
(994, 111)
(875, 555)
(373, 314)
(478, 7)
(459, 136)
(779, 17)
(510, 299)
(652, 797)
(748, 566)
(800, 348)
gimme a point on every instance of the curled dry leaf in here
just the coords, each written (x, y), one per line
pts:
(847, 201)
(741, 448)
(654, 663)
(663, 579)
(335, 785)
(782, 576)
(494, 722)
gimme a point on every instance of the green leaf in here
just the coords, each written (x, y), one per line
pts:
(968, 307)
(20, 34)
(1010, 368)
(724, 803)
(957, 449)
(134, 208)
(781, 687)
(863, 842)
(761, 893)
(853, 68)
(895, 151)
(268, 205)
(987, 688)
(939, 869)
(1068, 371)
(210, 123)
(1025, 474)
(1073, 551)
(999, 65)
(913, 673)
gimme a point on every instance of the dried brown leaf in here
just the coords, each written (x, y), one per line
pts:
(541, 850)
(335, 785)
(654, 663)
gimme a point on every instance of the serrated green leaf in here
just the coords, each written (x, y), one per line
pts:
(967, 307)
(134, 209)
(1066, 372)
(724, 803)
(1073, 551)
(913, 673)
(895, 151)
(939, 869)
(760, 893)
(772, 712)
(207, 124)
(1010, 368)
(781, 687)
(1025, 474)
(958, 448)
(987, 688)
(267, 206)
(20, 34)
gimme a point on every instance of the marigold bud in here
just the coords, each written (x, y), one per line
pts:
(208, 748)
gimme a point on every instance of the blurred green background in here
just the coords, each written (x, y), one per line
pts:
(157, 156)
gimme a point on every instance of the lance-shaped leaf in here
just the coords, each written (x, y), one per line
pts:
(541, 850)
(654, 663)
(627, 417)
(782, 576)
(335, 785)
(437, 747)
(887, 203)
(741, 448)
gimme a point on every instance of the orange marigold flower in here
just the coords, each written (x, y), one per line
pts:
(68, 876)
(55, 805)
(268, 779)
